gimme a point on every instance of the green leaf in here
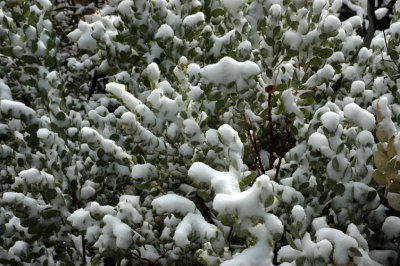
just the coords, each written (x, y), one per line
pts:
(325, 52)
(355, 251)
(307, 94)
(281, 87)
(48, 213)
(394, 54)
(60, 116)
(300, 261)
(30, 59)
(270, 41)
(316, 61)
(335, 164)
(227, 219)
(291, 53)
(7, 51)
(379, 177)
(218, 12)
(269, 201)
(247, 180)
(290, 241)
(340, 148)
(339, 189)
(371, 195)
(183, 114)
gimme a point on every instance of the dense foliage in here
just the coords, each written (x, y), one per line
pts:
(190, 132)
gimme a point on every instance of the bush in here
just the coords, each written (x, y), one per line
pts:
(188, 132)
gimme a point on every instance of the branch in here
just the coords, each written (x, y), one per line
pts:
(251, 145)
(372, 23)
(205, 209)
(270, 89)
(282, 152)
(253, 141)
(388, 52)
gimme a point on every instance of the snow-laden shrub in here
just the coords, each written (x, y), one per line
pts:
(229, 132)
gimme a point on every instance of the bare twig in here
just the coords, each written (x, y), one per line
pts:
(205, 209)
(230, 234)
(282, 152)
(391, 56)
(270, 89)
(253, 141)
(251, 144)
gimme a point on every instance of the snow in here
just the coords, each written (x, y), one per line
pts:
(391, 227)
(359, 116)
(212, 137)
(144, 172)
(46, 4)
(5, 92)
(120, 92)
(331, 24)
(19, 249)
(164, 32)
(385, 115)
(109, 146)
(330, 120)
(318, 6)
(83, 36)
(395, 30)
(121, 231)
(221, 182)
(193, 20)
(381, 12)
(292, 39)
(228, 70)
(31, 206)
(290, 106)
(172, 203)
(81, 219)
(341, 242)
(17, 110)
(317, 140)
(351, 44)
(153, 72)
(319, 223)
(34, 177)
(233, 6)
(357, 88)
(245, 45)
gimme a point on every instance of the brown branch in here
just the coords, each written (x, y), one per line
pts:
(282, 152)
(270, 89)
(251, 146)
(258, 153)
(205, 209)
(372, 21)
(140, 258)
(390, 54)
(163, 254)
(230, 234)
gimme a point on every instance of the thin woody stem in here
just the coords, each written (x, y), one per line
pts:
(253, 142)
(282, 151)
(271, 131)
(258, 153)
(251, 146)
